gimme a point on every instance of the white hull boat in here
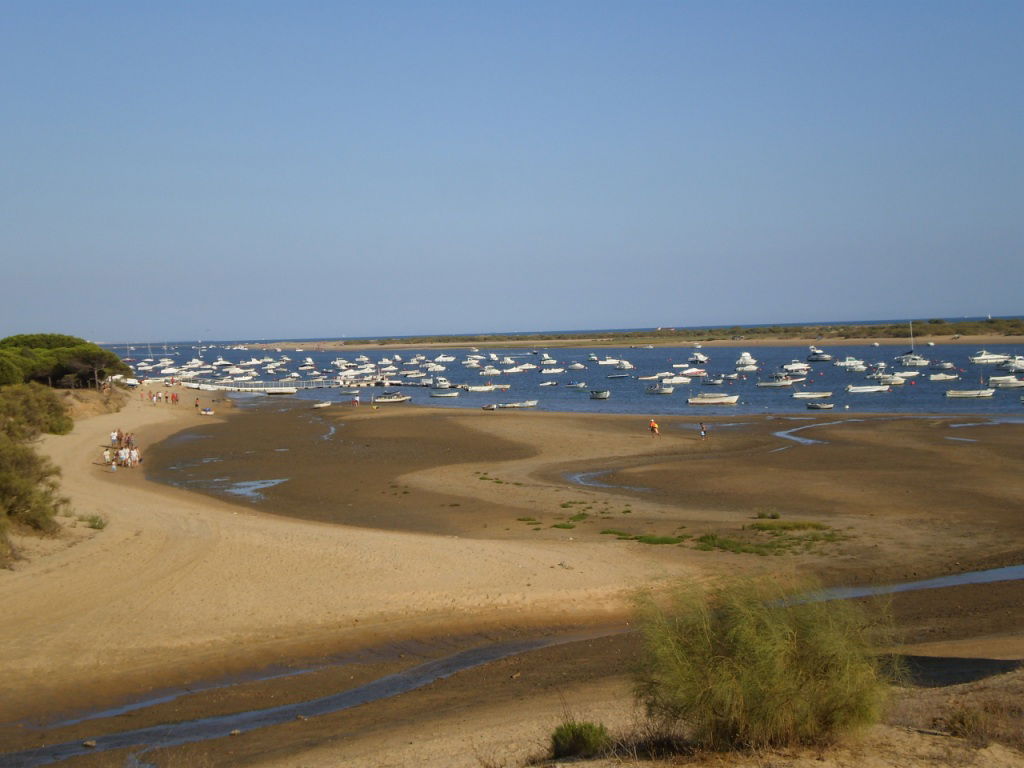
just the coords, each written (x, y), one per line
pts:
(867, 388)
(970, 392)
(600, 394)
(811, 395)
(713, 398)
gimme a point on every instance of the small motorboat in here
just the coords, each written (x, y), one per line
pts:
(391, 397)
(600, 394)
(324, 404)
(821, 406)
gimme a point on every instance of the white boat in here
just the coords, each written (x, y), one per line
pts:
(576, 366)
(391, 397)
(713, 398)
(577, 385)
(521, 404)
(849, 362)
(625, 365)
(821, 406)
(745, 359)
(912, 360)
(548, 384)
(444, 393)
(324, 404)
(600, 394)
(984, 357)
(970, 392)
(943, 377)
(281, 390)
(891, 380)
(699, 358)
(805, 395)
(865, 388)
(479, 388)
(1015, 384)
(818, 356)
(796, 366)
(660, 389)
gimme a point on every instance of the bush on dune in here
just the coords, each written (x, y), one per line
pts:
(29, 488)
(744, 665)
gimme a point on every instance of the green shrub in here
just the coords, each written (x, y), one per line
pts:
(745, 665)
(789, 525)
(649, 539)
(566, 526)
(574, 738)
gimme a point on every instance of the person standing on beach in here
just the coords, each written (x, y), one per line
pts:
(655, 432)
(703, 431)
(197, 402)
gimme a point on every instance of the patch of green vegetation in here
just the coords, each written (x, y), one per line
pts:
(789, 525)
(574, 738)
(526, 519)
(564, 525)
(97, 522)
(616, 532)
(744, 666)
(767, 515)
(648, 539)
(579, 516)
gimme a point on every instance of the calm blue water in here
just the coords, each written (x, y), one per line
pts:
(627, 394)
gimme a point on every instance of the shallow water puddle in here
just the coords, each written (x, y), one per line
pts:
(788, 434)
(590, 479)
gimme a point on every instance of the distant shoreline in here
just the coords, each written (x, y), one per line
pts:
(980, 340)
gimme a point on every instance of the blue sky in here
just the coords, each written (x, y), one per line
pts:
(272, 170)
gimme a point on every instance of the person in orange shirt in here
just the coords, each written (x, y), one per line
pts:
(654, 428)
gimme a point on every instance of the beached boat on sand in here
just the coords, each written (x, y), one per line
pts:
(391, 397)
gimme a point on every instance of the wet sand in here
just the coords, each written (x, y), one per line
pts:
(184, 587)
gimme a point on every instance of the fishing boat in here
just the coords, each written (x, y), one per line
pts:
(943, 377)
(520, 404)
(970, 392)
(806, 395)
(713, 398)
(322, 405)
(780, 380)
(444, 393)
(821, 406)
(600, 394)
(660, 389)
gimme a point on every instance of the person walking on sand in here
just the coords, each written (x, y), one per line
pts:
(703, 431)
(655, 432)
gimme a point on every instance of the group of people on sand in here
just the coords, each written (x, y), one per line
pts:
(656, 430)
(123, 451)
(171, 398)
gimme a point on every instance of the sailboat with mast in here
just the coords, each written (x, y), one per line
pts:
(911, 359)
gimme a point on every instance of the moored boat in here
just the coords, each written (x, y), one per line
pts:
(805, 395)
(970, 392)
(600, 394)
(821, 406)
(713, 398)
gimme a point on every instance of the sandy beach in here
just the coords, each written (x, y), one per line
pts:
(409, 534)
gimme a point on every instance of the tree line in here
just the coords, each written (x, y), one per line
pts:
(56, 360)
